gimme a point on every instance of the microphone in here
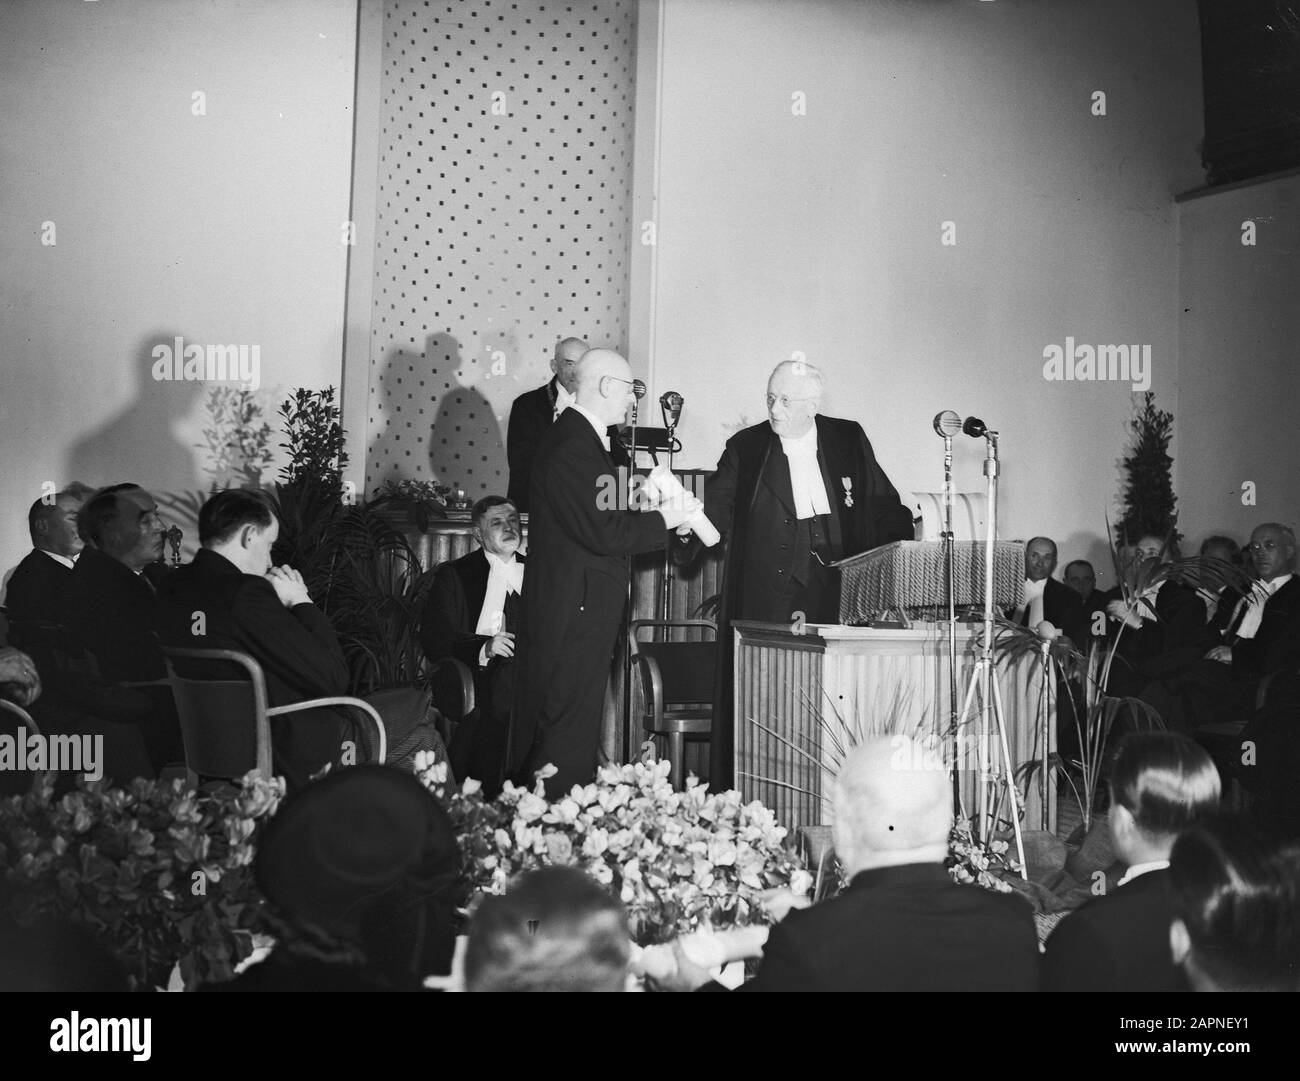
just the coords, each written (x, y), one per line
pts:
(975, 427)
(638, 389)
(671, 404)
(947, 424)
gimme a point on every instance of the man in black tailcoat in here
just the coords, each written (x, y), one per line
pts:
(579, 538)
(533, 413)
(792, 494)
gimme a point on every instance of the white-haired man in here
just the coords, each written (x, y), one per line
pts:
(902, 924)
(535, 411)
(576, 588)
(792, 494)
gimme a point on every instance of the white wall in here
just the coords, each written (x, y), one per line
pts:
(224, 228)
(821, 233)
(1240, 388)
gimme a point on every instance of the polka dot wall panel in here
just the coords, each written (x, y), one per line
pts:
(504, 198)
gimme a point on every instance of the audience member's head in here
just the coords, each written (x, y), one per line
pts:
(53, 523)
(1272, 551)
(794, 394)
(892, 803)
(554, 929)
(240, 525)
(565, 362)
(1160, 783)
(1236, 909)
(1150, 548)
(1224, 549)
(122, 521)
(1040, 558)
(496, 525)
(363, 868)
(603, 385)
(1080, 577)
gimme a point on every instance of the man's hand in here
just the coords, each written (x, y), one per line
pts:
(1119, 610)
(289, 586)
(676, 511)
(688, 976)
(502, 645)
(1222, 654)
(18, 676)
(779, 902)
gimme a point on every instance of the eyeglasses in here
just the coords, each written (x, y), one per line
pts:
(785, 401)
(1264, 546)
(629, 382)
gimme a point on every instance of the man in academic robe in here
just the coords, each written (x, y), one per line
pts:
(472, 614)
(535, 411)
(579, 538)
(792, 494)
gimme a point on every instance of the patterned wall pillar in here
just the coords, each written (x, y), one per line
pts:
(504, 204)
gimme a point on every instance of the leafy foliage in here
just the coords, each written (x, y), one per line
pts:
(237, 438)
(1150, 506)
(159, 872)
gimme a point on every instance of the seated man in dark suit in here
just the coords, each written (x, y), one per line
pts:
(535, 411)
(230, 597)
(472, 614)
(109, 608)
(35, 588)
(1044, 598)
(1221, 603)
(1261, 638)
(1081, 577)
(902, 924)
(1161, 635)
(1161, 783)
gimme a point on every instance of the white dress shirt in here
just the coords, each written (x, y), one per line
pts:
(805, 475)
(563, 399)
(65, 560)
(504, 577)
(600, 429)
(1030, 612)
(1260, 592)
(1139, 869)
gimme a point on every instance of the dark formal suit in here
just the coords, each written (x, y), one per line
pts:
(35, 590)
(772, 568)
(531, 417)
(447, 629)
(1063, 609)
(297, 649)
(1160, 647)
(573, 602)
(907, 928)
(111, 609)
(1119, 942)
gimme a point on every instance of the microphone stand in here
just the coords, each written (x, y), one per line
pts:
(950, 577)
(631, 594)
(665, 600)
(983, 676)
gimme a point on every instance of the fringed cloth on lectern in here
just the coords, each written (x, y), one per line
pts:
(906, 579)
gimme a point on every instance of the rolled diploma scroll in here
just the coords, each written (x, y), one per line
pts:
(663, 486)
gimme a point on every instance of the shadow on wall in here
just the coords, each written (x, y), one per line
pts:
(466, 448)
(139, 444)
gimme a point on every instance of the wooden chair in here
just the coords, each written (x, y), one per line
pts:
(676, 685)
(451, 688)
(225, 723)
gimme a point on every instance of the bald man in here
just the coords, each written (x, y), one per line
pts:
(902, 924)
(576, 588)
(792, 494)
(36, 586)
(534, 412)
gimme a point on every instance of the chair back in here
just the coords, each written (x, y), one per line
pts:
(686, 669)
(223, 720)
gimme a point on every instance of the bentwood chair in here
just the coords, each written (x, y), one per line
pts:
(225, 722)
(451, 689)
(676, 684)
